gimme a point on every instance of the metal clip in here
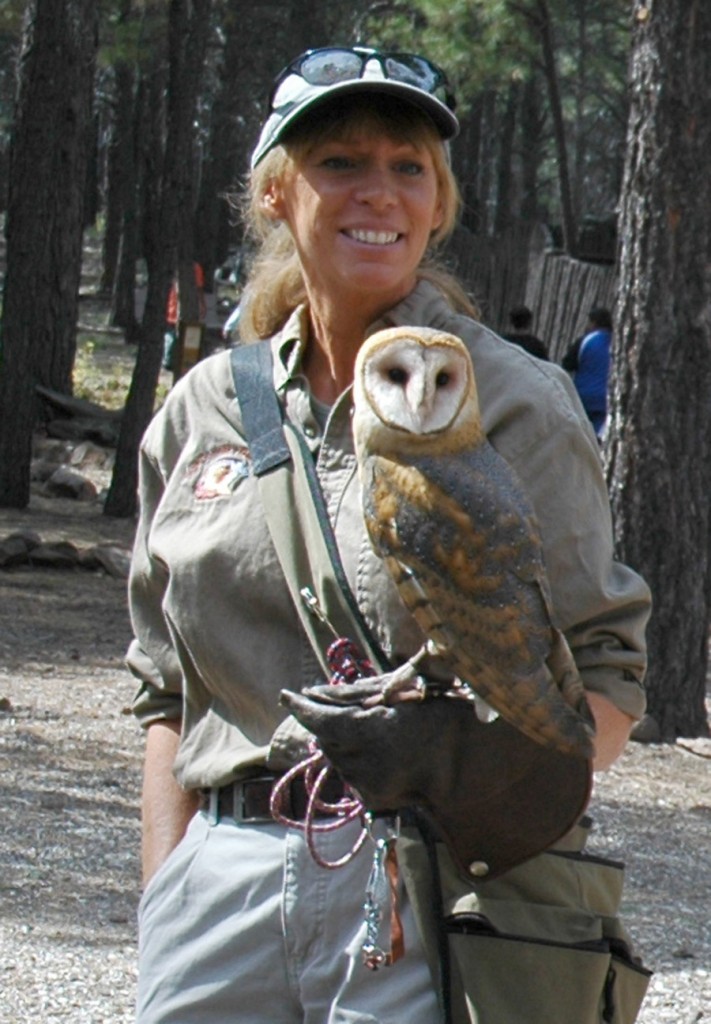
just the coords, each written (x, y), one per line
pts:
(311, 601)
(378, 897)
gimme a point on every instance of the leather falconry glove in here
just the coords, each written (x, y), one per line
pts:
(492, 794)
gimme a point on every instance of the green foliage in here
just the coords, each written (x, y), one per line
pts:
(132, 33)
(479, 42)
(11, 14)
(483, 44)
(486, 45)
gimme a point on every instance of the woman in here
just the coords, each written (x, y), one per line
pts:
(350, 188)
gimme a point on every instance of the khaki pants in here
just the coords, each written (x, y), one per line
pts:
(240, 924)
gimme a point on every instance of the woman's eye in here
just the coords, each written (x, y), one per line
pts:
(411, 167)
(337, 163)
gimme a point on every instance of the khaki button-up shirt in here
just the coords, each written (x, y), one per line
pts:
(217, 635)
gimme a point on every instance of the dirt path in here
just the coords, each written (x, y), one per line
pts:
(69, 779)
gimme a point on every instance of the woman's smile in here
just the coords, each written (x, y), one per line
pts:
(361, 211)
(372, 237)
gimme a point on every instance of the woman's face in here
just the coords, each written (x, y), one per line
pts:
(361, 211)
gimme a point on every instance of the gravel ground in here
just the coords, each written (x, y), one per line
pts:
(69, 833)
(69, 778)
(653, 811)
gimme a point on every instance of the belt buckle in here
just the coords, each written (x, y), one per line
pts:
(240, 801)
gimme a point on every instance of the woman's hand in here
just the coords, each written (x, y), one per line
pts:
(166, 807)
(493, 794)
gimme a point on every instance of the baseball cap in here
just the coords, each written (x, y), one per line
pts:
(317, 76)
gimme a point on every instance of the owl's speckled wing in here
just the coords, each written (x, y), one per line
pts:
(459, 537)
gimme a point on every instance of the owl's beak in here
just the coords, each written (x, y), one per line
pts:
(418, 400)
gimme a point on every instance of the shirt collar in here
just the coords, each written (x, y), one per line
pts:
(289, 346)
(425, 305)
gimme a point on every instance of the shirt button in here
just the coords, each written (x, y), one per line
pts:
(310, 430)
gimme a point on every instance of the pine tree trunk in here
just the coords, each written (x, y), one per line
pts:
(659, 458)
(466, 160)
(504, 177)
(123, 299)
(550, 71)
(119, 167)
(44, 224)
(532, 124)
(188, 29)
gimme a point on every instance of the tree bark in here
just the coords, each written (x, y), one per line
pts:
(119, 177)
(119, 148)
(232, 126)
(466, 158)
(187, 34)
(580, 92)
(132, 94)
(44, 224)
(550, 71)
(504, 176)
(532, 123)
(487, 149)
(659, 457)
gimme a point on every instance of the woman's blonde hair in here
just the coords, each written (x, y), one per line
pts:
(276, 284)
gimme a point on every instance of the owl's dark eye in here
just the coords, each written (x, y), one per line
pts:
(397, 375)
(442, 379)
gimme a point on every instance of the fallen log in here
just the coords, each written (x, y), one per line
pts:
(73, 406)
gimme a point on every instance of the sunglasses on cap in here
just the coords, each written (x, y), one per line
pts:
(331, 65)
(318, 76)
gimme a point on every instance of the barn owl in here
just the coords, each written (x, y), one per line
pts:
(458, 534)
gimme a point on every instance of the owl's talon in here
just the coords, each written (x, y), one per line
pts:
(402, 684)
(417, 692)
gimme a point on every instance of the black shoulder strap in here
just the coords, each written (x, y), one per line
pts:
(295, 508)
(261, 412)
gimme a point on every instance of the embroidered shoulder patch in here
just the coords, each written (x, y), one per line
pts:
(217, 473)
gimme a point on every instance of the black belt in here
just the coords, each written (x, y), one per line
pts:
(249, 799)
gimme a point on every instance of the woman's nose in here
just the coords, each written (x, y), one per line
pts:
(376, 188)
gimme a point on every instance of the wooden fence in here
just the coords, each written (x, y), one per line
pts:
(519, 268)
(561, 292)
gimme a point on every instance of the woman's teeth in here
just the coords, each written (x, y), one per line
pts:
(374, 237)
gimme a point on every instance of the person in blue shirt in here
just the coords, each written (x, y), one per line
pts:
(588, 359)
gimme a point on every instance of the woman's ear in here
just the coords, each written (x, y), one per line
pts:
(437, 217)
(273, 201)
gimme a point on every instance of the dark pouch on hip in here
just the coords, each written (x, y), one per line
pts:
(540, 943)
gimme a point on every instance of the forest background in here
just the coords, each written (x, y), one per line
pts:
(583, 164)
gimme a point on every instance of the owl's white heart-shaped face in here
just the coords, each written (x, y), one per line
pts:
(413, 381)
